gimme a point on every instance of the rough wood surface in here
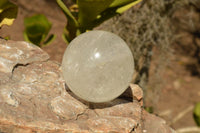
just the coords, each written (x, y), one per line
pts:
(34, 98)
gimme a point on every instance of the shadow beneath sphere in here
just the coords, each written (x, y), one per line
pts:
(122, 99)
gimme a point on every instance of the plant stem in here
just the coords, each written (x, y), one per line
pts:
(67, 13)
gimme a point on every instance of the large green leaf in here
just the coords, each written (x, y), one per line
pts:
(89, 10)
(196, 113)
(126, 7)
(8, 12)
(120, 3)
(37, 28)
(94, 12)
(116, 8)
(49, 39)
(91, 13)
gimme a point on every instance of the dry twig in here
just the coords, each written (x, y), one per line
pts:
(188, 129)
(182, 114)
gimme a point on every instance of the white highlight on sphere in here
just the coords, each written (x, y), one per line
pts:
(97, 55)
(98, 66)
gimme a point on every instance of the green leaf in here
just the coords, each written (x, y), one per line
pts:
(66, 38)
(91, 13)
(126, 7)
(149, 109)
(49, 40)
(37, 28)
(196, 114)
(94, 12)
(120, 3)
(105, 15)
(67, 13)
(8, 12)
(72, 25)
(7, 38)
(89, 10)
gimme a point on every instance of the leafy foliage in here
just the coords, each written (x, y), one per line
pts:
(36, 30)
(8, 12)
(91, 13)
(149, 109)
(196, 113)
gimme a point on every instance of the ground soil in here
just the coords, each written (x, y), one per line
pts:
(179, 91)
(178, 88)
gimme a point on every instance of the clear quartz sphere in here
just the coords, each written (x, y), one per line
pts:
(97, 66)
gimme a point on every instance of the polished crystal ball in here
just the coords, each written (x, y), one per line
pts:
(97, 66)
